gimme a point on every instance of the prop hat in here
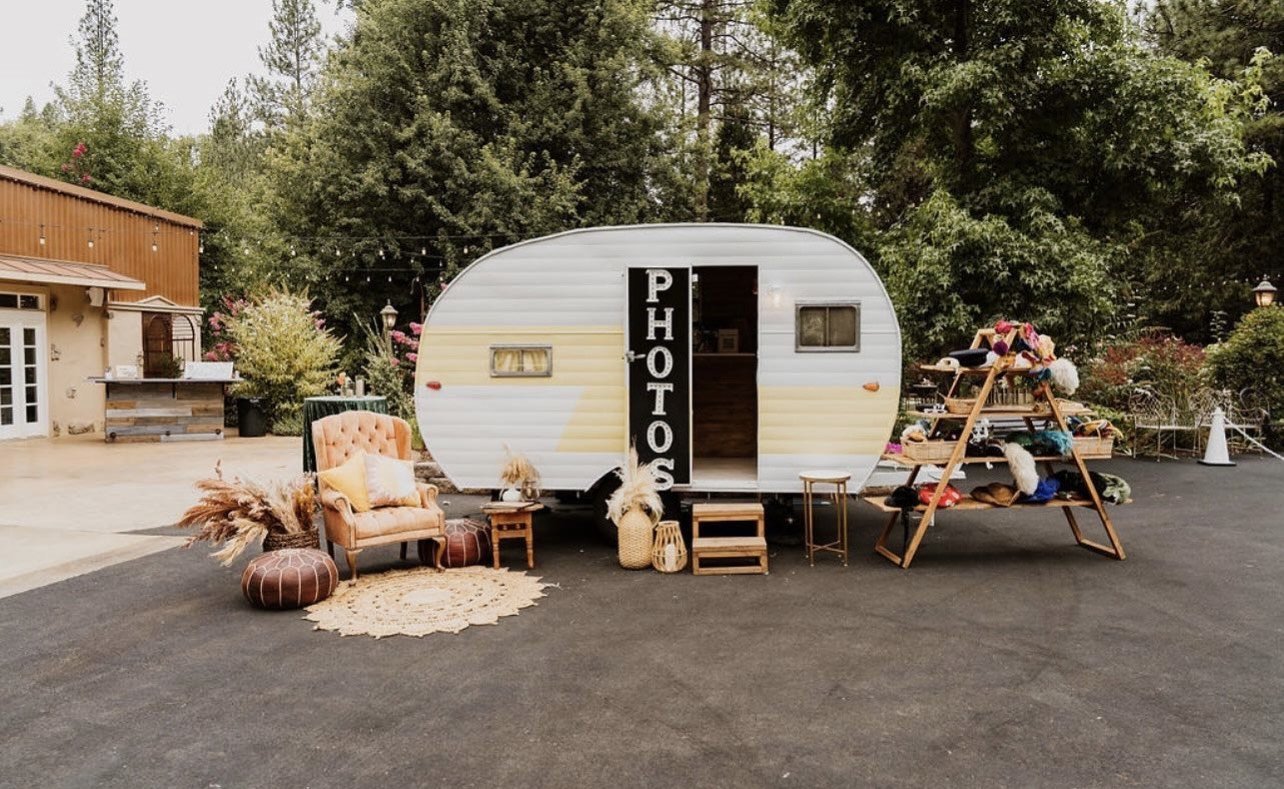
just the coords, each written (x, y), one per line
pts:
(903, 498)
(971, 357)
(996, 493)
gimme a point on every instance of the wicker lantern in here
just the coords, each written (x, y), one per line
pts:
(669, 552)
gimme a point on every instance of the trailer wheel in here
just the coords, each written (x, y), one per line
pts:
(597, 495)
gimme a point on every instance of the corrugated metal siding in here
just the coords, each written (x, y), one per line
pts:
(122, 239)
(577, 280)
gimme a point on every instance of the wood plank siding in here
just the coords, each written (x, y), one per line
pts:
(122, 230)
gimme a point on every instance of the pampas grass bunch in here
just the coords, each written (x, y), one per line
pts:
(518, 472)
(237, 513)
(639, 489)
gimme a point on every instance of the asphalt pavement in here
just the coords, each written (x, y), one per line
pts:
(1005, 656)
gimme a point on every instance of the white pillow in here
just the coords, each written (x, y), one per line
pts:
(390, 482)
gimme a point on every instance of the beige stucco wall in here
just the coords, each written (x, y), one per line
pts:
(125, 338)
(76, 352)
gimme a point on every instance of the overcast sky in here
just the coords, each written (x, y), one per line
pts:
(185, 50)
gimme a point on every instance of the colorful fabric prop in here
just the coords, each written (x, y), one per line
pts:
(1111, 488)
(914, 432)
(996, 493)
(893, 448)
(1065, 376)
(1023, 469)
(1003, 327)
(1054, 442)
(1096, 427)
(903, 498)
(1046, 348)
(1001, 347)
(949, 497)
(1043, 492)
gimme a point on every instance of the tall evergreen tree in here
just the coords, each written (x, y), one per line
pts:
(292, 59)
(1226, 249)
(467, 124)
(1021, 157)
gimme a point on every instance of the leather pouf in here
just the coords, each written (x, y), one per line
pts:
(289, 578)
(467, 542)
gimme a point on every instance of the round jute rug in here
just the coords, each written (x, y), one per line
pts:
(420, 601)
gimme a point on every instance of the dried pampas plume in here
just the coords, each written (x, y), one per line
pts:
(1024, 471)
(238, 513)
(1065, 376)
(518, 472)
(639, 489)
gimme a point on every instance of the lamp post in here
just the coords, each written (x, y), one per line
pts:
(1264, 293)
(389, 316)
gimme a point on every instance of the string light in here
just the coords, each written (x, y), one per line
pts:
(91, 238)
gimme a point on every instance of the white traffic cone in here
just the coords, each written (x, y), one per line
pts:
(1217, 454)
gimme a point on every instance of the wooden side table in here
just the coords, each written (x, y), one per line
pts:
(839, 495)
(510, 521)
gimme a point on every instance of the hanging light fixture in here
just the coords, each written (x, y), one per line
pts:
(155, 232)
(42, 235)
(91, 238)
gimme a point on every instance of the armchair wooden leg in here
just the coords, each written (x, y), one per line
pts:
(403, 551)
(329, 548)
(441, 551)
(352, 562)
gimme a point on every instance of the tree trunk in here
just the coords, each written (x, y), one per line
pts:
(704, 105)
(963, 142)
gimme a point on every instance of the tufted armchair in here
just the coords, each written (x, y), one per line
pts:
(337, 438)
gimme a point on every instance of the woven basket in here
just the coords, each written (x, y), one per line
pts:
(1094, 446)
(635, 532)
(959, 406)
(669, 554)
(928, 451)
(301, 539)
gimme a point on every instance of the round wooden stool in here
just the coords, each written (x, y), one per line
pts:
(839, 496)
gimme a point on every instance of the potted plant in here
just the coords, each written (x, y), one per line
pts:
(519, 479)
(236, 513)
(635, 508)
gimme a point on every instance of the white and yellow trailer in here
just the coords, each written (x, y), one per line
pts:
(736, 355)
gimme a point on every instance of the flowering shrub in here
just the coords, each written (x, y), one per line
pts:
(222, 349)
(393, 375)
(283, 351)
(1156, 361)
(76, 168)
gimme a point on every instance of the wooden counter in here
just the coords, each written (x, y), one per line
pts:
(163, 409)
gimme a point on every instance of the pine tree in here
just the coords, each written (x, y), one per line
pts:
(293, 59)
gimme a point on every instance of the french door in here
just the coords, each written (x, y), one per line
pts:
(23, 398)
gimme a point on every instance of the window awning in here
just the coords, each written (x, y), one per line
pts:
(15, 268)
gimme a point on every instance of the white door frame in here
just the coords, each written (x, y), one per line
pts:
(17, 321)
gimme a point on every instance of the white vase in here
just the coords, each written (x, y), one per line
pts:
(510, 494)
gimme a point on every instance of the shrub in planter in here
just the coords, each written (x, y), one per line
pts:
(284, 353)
(1252, 357)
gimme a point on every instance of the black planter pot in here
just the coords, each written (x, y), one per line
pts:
(250, 417)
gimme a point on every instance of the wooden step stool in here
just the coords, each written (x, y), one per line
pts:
(740, 547)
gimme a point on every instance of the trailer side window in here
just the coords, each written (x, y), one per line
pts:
(521, 361)
(827, 326)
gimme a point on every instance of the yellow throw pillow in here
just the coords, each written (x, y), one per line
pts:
(390, 482)
(349, 479)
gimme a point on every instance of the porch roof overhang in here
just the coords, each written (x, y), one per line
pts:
(16, 268)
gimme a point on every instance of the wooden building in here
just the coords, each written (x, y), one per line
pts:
(88, 282)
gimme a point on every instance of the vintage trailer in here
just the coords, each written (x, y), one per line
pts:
(737, 355)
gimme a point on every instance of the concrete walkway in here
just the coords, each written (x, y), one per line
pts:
(68, 505)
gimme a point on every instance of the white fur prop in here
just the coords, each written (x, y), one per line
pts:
(1024, 471)
(1065, 376)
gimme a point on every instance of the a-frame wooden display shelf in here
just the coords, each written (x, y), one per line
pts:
(1045, 406)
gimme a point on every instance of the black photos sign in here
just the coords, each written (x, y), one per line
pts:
(660, 369)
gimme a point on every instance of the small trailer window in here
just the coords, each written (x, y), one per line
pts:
(521, 361)
(828, 326)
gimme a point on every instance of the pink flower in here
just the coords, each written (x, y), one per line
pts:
(416, 328)
(79, 150)
(399, 336)
(66, 168)
(412, 357)
(84, 179)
